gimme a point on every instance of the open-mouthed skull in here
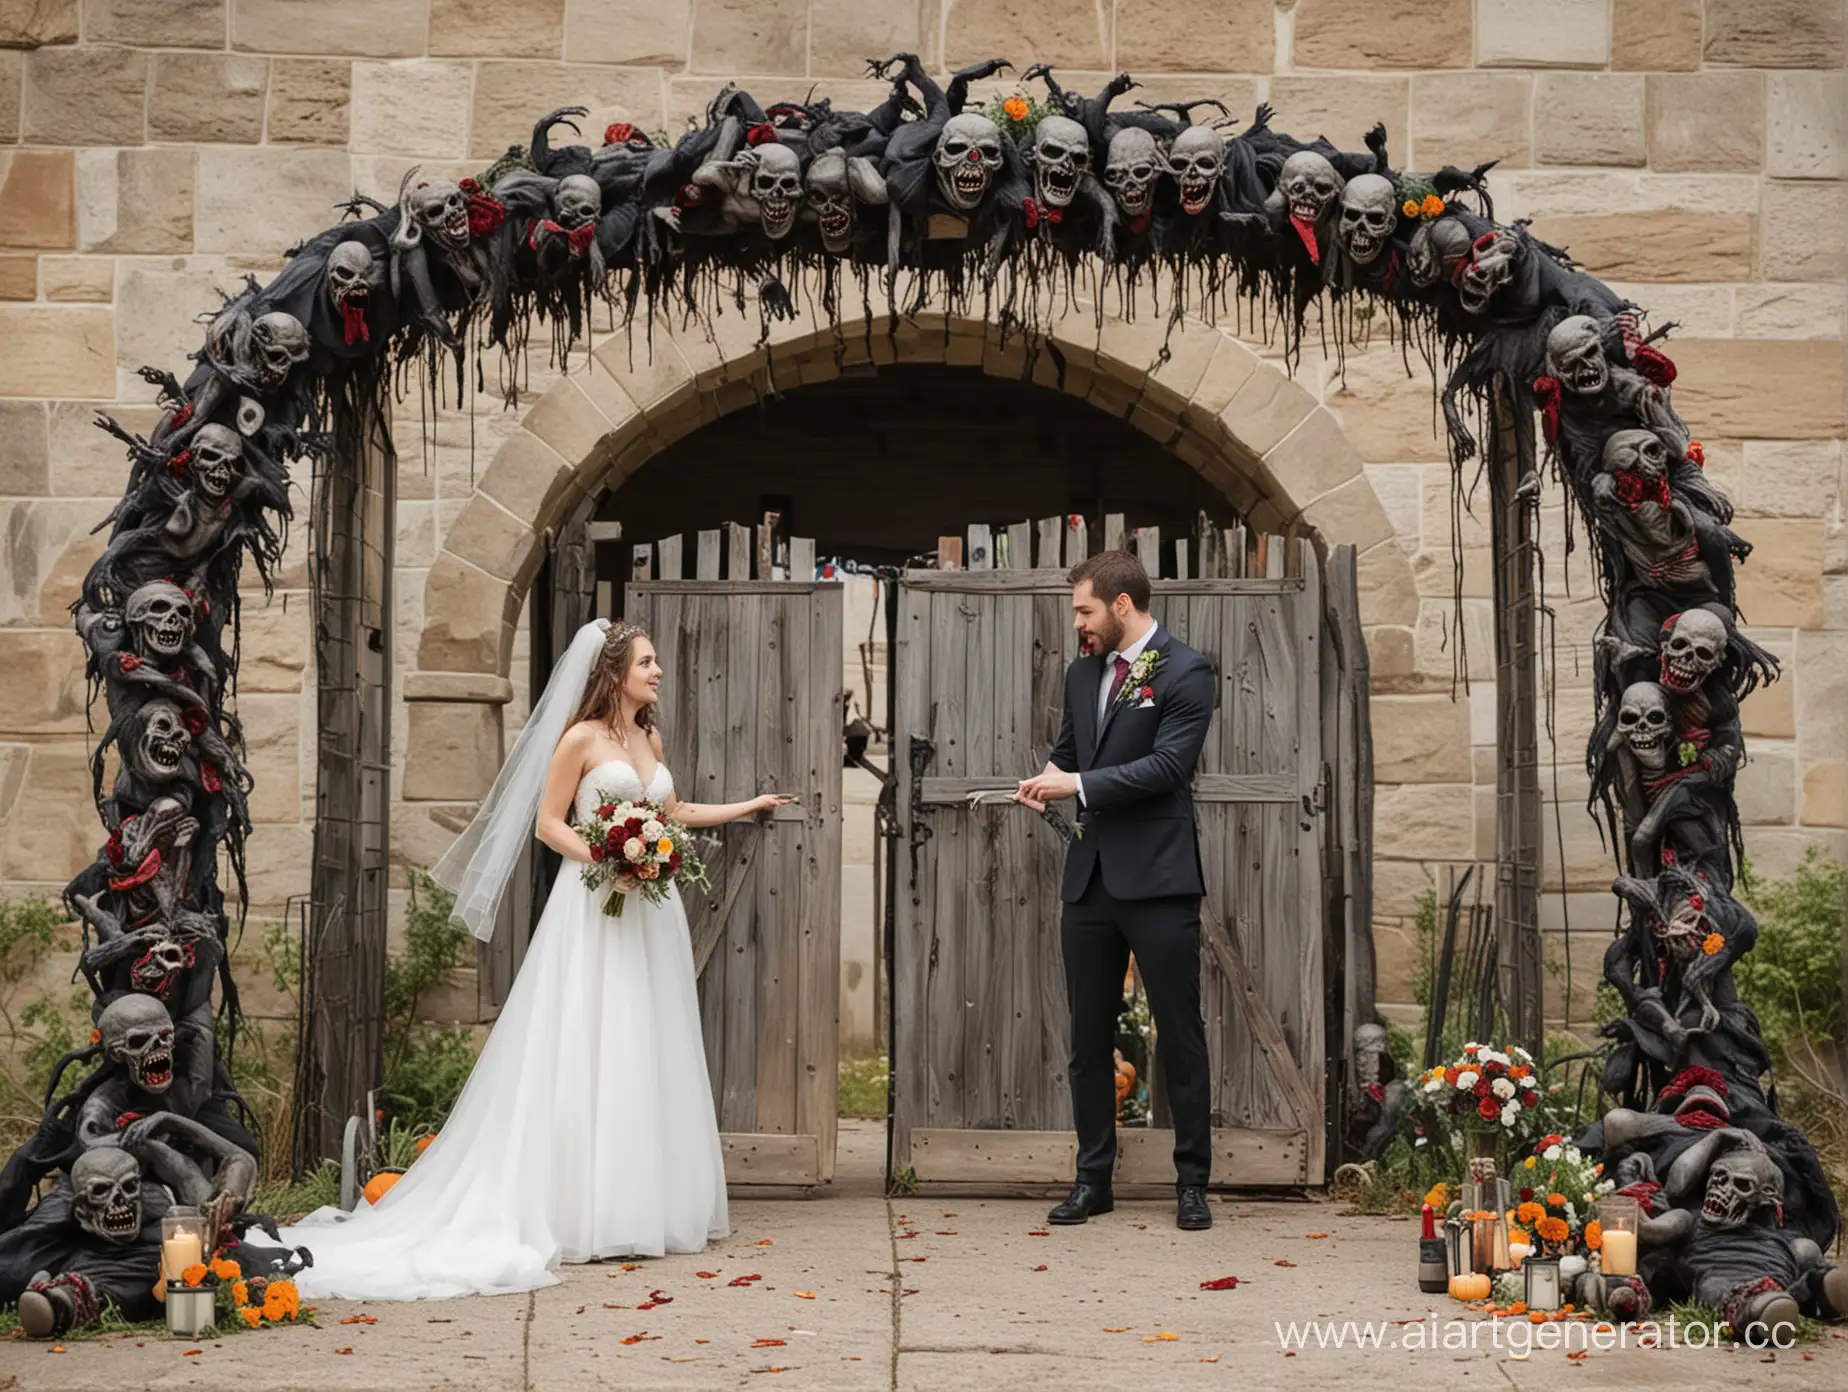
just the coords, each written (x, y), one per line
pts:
(106, 1193)
(280, 343)
(1693, 646)
(1491, 266)
(776, 184)
(1636, 452)
(1369, 212)
(830, 197)
(350, 276)
(576, 201)
(1643, 721)
(159, 615)
(1575, 355)
(218, 459)
(1741, 1185)
(1309, 185)
(968, 157)
(1131, 166)
(441, 210)
(1435, 247)
(1061, 153)
(137, 1033)
(155, 970)
(1196, 163)
(163, 741)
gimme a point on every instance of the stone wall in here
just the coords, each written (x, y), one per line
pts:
(151, 151)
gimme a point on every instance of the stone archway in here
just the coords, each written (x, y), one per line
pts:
(1259, 436)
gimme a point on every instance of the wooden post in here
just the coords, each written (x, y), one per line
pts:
(1077, 540)
(641, 561)
(1020, 546)
(668, 552)
(1113, 531)
(802, 558)
(1148, 550)
(1237, 542)
(1518, 835)
(981, 547)
(949, 553)
(708, 562)
(738, 552)
(766, 546)
(1051, 534)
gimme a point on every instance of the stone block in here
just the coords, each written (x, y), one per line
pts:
(1821, 663)
(77, 279)
(1589, 118)
(1423, 821)
(654, 35)
(87, 462)
(38, 23)
(273, 752)
(1777, 853)
(215, 98)
(496, 29)
(1806, 114)
(1780, 585)
(18, 277)
(1768, 309)
(12, 93)
(1760, 390)
(1825, 794)
(843, 34)
(343, 28)
(1698, 248)
(1766, 787)
(38, 196)
(1420, 739)
(57, 351)
(25, 450)
(742, 36)
(1656, 35)
(1230, 36)
(413, 107)
(86, 96)
(1771, 711)
(1805, 230)
(51, 834)
(1264, 411)
(1388, 594)
(1790, 479)
(465, 610)
(41, 681)
(1350, 515)
(530, 480)
(1343, 107)
(1467, 118)
(310, 101)
(455, 751)
(277, 646)
(1064, 33)
(1543, 33)
(135, 200)
(281, 856)
(62, 584)
(1709, 121)
(156, 23)
(159, 306)
(1774, 33)
(1388, 411)
(510, 96)
(264, 201)
(1355, 34)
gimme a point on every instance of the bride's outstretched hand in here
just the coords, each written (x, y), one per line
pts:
(768, 802)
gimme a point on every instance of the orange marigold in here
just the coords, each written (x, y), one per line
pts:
(193, 1275)
(1520, 1235)
(240, 1293)
(1530, 1213)
(1409, 207)
(251, 1316)
(225, 1269)
(1450, 1076)
(1556, 1199)
(1016, 108)
(1518, 1308)
(1552, 1229)
(1594, 1235)
(1712, 943)
(1433, 206)
(1697, 454)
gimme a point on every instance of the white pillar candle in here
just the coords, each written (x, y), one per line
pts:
(179, 1252)
(1619, 1253)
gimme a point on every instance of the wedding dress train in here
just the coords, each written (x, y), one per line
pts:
(586, 1130)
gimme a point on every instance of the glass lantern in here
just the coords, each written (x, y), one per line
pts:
(182, 1241)
(1620, 1216)
(1541, 1275)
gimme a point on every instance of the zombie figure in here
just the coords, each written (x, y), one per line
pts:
(1672, 780)
(1067, 207)
(1666, 543)
(437, 270)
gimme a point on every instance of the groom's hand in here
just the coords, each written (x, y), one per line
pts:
(1054, 785)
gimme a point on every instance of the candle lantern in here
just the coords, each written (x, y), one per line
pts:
(1542, 1278)
(191, 1310)
(1619, 1216)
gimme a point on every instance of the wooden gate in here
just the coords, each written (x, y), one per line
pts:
(753, 703)
(979, 1020)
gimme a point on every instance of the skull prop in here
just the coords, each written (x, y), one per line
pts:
(1740, 1185)
(280, 342)
(1435, 247)
(1575, 355)
(1693, 646)
(1369, 212)
(776, 184)
(1491, 266)
(1196, 161)
(1061, 154)
(137, 1033)
(831, 197)
(1643, 722)
(218, 459)
(352, 275)
(1638, 452)
(1310, 186)
(438, 209)
(155, 971)
(576, 201)
(1131, 166)
(106, 1193)
(160, 621)
(160, 744)
(968, 158)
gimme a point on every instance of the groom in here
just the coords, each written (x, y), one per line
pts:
(1137, 705)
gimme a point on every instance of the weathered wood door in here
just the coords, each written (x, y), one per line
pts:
(980, 1027)
(753, 703)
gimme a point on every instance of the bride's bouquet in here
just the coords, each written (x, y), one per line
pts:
(634, 844)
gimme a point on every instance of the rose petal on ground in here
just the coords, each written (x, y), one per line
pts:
(1281, 1262)
(1039, 1232)
(770, 1343)
(1221, 1283)
(1123, 1330)
(805, 1295)
(1040, 1267)
(1315, 1235)
(344, 1350)
(765, 1242)
(706, 1275)
(632, 1266)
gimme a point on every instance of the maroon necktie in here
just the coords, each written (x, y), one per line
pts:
(1116, 686)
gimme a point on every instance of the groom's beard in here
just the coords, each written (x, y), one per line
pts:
(1106, 638)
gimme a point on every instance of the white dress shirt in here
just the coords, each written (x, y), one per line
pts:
(1129, 653)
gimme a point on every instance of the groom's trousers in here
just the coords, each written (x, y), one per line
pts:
(1098, 933)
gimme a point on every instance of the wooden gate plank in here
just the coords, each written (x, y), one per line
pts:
(911, 670)
(743, 697)
(818, 1018)
(782, 669)
(986, 988)
(1307, 982)
(947, 1002)
(1054, 647)
(1247, 1156)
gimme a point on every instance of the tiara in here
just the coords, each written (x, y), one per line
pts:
(618, 636)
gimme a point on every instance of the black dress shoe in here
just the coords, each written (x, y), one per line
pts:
(1191, 1212)
(1085, 1201)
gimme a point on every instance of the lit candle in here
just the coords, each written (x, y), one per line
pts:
(1517, 1253)
(180, 1251)
(1619, 1253)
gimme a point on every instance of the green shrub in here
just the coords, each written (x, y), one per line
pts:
(424, 1065)
(1793, 978)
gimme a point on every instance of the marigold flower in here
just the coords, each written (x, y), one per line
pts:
(1520, 1235)
(193, 1275)
(1556, 1199)
(1433, 206)
(1530, 1212)
(251, 1315)
(240, 1293)
(225, 1269)
(1594, 1235)
(1016, 108)
(1552, 1229)
(1712, 943)
(1518, 1308)
(1409, 207)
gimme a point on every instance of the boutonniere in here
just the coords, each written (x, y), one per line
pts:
(1136, 685)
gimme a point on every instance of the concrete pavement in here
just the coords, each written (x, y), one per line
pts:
(926, 1292)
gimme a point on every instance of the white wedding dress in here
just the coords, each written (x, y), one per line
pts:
(587, 1129)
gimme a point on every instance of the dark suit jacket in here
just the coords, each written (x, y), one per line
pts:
(1137, 818)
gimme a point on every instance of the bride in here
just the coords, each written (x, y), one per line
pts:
(587, 1128)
